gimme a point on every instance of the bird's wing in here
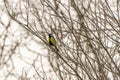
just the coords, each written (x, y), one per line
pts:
(53, 41)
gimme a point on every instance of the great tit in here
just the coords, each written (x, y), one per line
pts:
(52, 41)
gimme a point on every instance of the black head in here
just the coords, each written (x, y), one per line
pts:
(50, 35)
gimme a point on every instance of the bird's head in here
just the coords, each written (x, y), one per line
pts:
(50, 35)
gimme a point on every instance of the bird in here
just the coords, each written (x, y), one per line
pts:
(52, 41)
